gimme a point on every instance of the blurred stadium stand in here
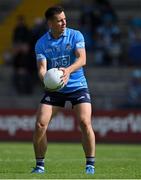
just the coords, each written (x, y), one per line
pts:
(15, 8)
(108, 85)
(6, 6)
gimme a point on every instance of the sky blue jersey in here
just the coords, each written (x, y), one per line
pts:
(61, 53)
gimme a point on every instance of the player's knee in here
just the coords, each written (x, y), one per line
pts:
(41, 126)
(84, 123)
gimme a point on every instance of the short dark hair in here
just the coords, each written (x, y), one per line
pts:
(50, 12)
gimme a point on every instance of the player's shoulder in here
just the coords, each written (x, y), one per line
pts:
(72, 31)
(42, 39)
(76, 35)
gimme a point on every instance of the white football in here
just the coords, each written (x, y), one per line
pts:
(52, 79)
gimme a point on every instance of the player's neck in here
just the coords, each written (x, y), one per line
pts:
(55, 34)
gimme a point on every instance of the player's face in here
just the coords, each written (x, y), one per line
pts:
(58, 23)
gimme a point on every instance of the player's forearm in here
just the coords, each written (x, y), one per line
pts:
(77, 64)
(41, 74)
(41, 65)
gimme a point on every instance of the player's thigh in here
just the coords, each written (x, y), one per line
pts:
(45, 113)
(83, 112)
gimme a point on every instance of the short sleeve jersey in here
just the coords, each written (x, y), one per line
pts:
(61, 53)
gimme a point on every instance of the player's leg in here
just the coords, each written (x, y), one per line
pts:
(83, 112)
(44, 115)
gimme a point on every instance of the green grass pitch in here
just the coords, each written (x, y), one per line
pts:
(66, 161)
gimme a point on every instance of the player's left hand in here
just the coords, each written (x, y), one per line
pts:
(66, 75)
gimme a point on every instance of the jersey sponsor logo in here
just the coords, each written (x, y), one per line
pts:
(61, 61)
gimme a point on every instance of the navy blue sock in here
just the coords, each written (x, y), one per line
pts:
(90, 161)
(40, 162)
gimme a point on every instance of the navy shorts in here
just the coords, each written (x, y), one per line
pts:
(61, 99)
